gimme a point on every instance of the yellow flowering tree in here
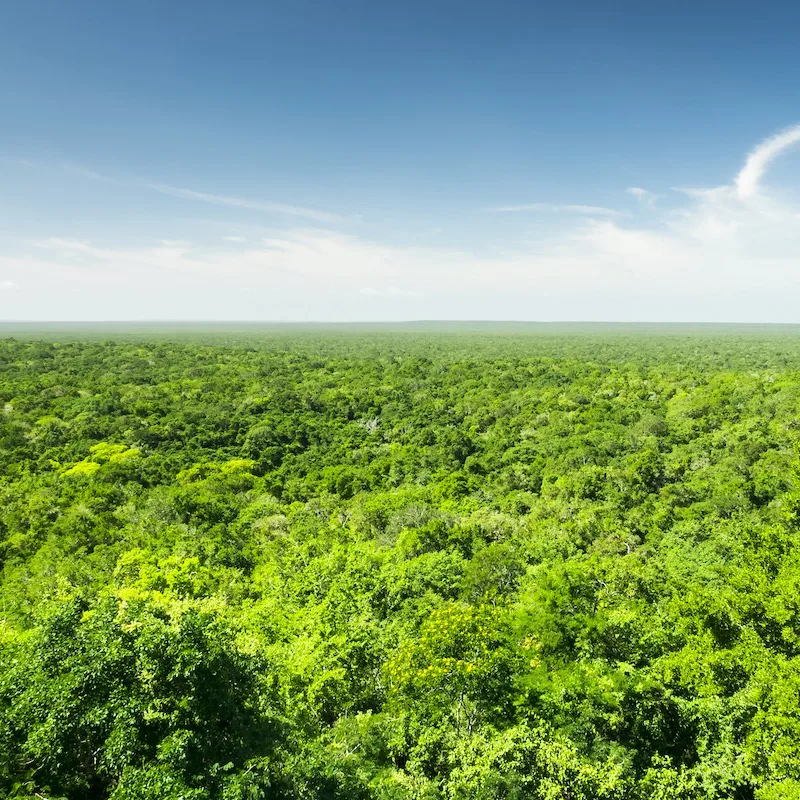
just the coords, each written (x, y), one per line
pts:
(457, 669)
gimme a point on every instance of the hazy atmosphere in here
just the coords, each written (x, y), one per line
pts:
(351, 161)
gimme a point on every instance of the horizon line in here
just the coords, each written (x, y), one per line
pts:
(425, 321)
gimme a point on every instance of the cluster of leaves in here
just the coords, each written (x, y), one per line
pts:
(400, 567)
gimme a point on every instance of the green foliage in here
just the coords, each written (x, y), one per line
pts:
(397, 567)
(136, 694)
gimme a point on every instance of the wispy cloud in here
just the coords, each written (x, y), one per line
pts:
(232, 201)
(62, 166)
(556, 208)
(749, 178)
(84, 172)
(20, 162)
(243, 202)
(644, 196)
(720, 242)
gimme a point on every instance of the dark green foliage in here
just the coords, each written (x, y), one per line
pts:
(397, 567)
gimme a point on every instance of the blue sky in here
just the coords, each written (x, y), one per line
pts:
(377, 161)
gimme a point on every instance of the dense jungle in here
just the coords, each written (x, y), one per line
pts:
(400, 564)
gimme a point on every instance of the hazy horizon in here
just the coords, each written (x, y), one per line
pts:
(155, 324)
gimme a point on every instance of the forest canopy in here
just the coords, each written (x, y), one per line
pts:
(409, 565)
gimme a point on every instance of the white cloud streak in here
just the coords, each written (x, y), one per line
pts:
(739, 240)
(749, 178)
(556, 208)
(78, 170)
(645, 197)
(242, 202)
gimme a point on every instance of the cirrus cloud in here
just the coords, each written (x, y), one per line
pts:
(749, 178)
(720, 247)
(556, 208)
